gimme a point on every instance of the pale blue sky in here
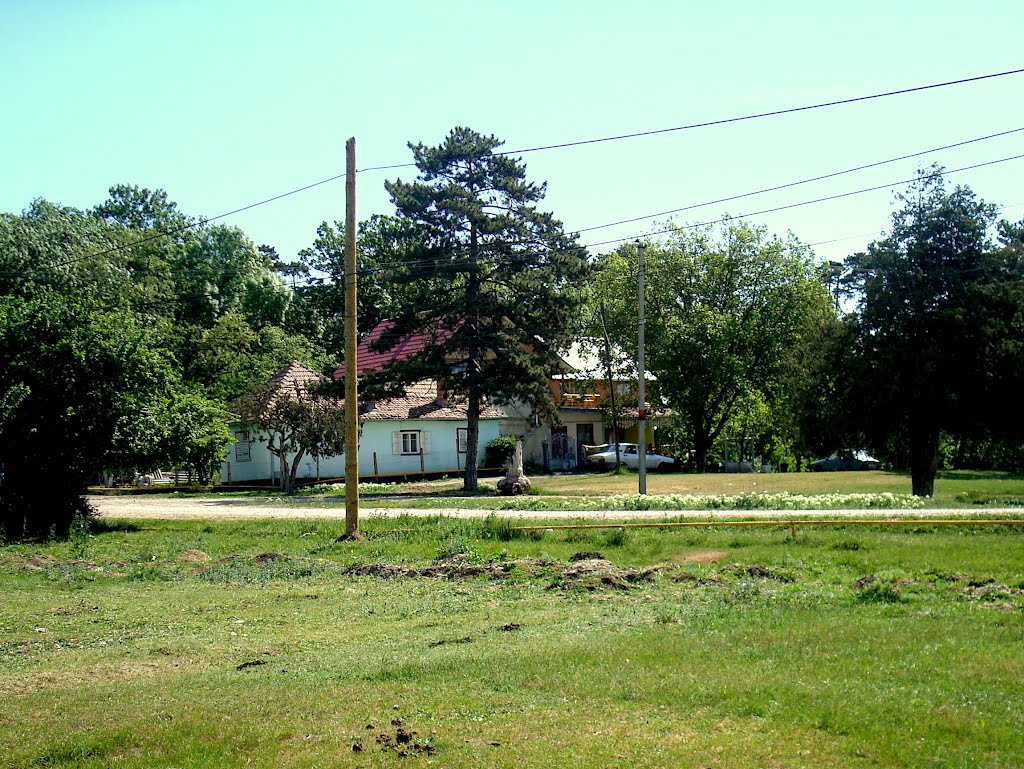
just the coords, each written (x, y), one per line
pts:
(225, 103)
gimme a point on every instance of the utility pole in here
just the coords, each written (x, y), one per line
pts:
(642, 409)
(351, 362)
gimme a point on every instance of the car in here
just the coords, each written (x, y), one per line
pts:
(629, 455)
(846, 459)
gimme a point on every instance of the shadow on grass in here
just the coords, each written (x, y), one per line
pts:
(112, 526)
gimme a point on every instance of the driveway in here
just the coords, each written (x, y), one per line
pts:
(241, 509)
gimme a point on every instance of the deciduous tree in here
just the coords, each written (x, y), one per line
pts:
(722, 318)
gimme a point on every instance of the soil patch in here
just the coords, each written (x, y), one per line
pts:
(704, 556)
(586, 555)
(193, 556)
(446, 641)
(403, 743)
(595, 573)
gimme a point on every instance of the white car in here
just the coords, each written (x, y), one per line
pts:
(629, 455)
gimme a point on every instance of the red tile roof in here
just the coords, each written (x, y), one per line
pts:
(404, 348)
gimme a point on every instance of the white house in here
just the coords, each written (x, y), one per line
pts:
(403, 437)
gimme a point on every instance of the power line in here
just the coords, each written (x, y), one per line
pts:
(874, 233)
(802, 181)
(772, 113)
(725, 121)
(797, 205)
(204, 220)
(440, 263)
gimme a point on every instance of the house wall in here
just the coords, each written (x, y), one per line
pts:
(442, 456)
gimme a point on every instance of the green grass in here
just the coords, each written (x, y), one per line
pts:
(848, 647)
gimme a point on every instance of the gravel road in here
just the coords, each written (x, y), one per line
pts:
(240, 509)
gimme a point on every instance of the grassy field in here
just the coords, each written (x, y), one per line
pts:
(272, 644)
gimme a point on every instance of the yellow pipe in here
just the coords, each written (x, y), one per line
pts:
(781, 522)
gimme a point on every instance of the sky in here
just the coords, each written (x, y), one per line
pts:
(226, 103)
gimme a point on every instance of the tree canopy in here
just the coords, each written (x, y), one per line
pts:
(723, 316)
(124, 330)
(939, 319)
(485, 274)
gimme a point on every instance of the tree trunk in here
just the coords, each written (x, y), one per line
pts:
(472, 442)
(924, 457)
(296, 461)
(285, 470)
(701, 445)
(473, 369)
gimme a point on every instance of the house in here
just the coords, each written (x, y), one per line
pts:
(420, 432)
(581, 394)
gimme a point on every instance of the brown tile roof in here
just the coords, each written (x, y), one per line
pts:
(403, 348)
(295, 380)
(421, 402)
(296, 375)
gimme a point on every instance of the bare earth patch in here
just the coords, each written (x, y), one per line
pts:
(703, 556)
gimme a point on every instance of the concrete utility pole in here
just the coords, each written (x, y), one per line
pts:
(351, 362)
(642, 409)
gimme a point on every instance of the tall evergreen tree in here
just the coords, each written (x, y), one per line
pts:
(492, 280)
(939, 314)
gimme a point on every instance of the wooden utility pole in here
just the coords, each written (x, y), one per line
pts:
(351, 362)
(641, 422)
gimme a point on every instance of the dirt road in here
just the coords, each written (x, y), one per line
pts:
(241, 509)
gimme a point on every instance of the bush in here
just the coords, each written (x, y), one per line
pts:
(498, 452)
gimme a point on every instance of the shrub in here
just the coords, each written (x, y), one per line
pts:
(498, 451)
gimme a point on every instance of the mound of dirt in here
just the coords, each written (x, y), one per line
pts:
(705, 556)
(594, 573)
(586, 555)
(403, 743)
(193, 556)
(264, 558)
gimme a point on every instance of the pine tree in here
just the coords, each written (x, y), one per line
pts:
(492, 280)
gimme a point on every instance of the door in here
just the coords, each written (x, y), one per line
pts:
(584, 437)
(559, 446)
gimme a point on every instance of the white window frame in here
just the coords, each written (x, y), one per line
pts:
(461, 439)
(410, 443)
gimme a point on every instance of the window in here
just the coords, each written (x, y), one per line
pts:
(461, 439)
(410, 442)
(243, 447)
